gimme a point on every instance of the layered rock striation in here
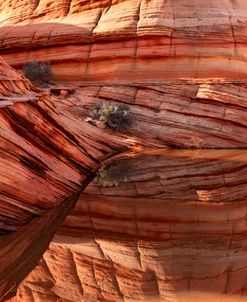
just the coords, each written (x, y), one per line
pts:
(174, 229)
(181, 68)
(178, 115)
(35, 176)
(143, 40)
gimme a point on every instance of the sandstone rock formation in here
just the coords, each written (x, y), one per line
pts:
(31, 162)
(179, 115)
(143, 40)
(176, 227)
(180, 66)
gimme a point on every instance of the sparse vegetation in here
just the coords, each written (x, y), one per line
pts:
(114, 116)
(38, 73)
(113, 174)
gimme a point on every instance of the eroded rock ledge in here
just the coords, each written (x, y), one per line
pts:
(143, 40)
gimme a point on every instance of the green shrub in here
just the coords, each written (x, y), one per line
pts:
(38, 73)
(114, 116)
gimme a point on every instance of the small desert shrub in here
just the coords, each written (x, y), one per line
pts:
(38, 73)
(114, 116)
(113, 174)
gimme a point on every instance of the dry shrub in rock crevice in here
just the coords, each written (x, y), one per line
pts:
(116, 117)
(38, 73)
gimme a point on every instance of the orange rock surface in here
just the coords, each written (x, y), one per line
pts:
(117, 40)
(174, 230)
(180, 66)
